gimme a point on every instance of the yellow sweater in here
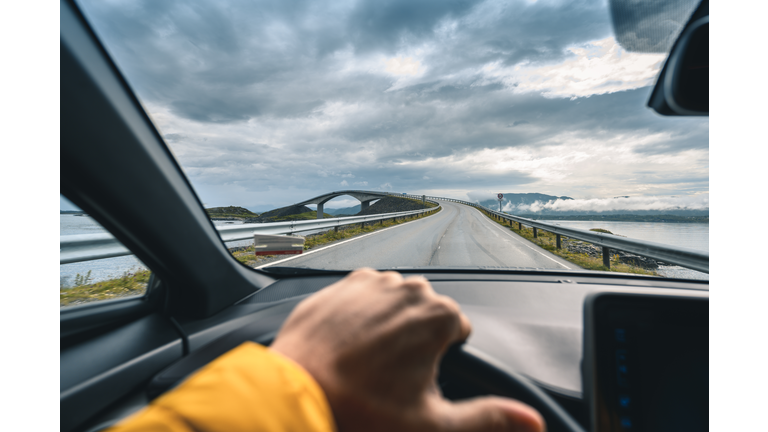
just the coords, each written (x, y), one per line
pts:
(250, 388)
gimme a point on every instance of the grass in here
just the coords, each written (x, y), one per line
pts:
(230, 215)
(312, 215)
(247, 257)
(548, 241)
(129, 285)
(428, 204)
(230, 211)
(135, 283)
(601, 230)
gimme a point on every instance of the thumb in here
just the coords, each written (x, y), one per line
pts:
(491, 414)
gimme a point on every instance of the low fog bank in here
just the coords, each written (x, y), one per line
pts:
(691, 205)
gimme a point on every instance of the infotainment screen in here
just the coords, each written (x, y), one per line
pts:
(646, 362)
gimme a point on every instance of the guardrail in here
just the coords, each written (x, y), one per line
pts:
(683, 257)
(87, 247)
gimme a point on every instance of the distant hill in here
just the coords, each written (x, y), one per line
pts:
(293, 212)
(530, 198)
(669, 218)
(345, 211)
(521, 198)
(230, 212)
(393, 204)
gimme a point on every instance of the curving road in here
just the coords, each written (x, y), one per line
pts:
(457, 236)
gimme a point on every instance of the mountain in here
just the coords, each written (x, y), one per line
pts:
(393, 204)
(349, 211)
(529, 198)
(279, 214)
(521, 198)
(230, 212)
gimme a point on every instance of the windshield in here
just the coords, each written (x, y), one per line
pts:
(402, 134)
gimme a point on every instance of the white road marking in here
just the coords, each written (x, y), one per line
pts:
(522, 242)
(334, 245)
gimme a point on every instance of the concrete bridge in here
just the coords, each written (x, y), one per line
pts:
(365, 198)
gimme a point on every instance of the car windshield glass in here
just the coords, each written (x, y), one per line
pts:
(393, 134)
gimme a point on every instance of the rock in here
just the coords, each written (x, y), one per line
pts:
(392, 204)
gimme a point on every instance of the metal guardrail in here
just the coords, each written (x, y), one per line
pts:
(683, 257)
(87, 247)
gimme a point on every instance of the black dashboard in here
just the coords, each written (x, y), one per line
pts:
(530, 326)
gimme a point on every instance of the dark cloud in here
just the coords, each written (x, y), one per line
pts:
(254, 90)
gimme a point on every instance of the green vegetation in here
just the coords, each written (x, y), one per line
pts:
(600, 230)
(230, 212)
(621, 218)
(547, 240)
(129, 285)
(247, 257)
(135, 283)
(311, 215)
(418, 201)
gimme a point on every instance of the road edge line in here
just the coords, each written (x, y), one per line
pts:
(525, 242)
(333, 245)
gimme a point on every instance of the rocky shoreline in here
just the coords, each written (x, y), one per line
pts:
(580, 247)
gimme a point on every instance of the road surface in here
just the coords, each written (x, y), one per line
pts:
(457, 236)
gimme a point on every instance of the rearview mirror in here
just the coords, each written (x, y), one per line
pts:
(680, 27)
(683, 84)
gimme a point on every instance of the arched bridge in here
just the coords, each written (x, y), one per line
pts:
(365, 198)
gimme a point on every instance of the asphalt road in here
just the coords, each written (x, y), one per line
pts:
(457, 236)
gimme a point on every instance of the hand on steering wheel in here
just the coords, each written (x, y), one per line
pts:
(373, 341)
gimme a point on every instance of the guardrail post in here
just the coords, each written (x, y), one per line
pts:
(336, 229)
(520, 226)
(607, 257)
(535, 233)
(557, 240)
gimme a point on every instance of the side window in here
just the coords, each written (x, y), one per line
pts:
(85, 276)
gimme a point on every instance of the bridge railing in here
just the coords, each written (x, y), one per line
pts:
(683, 257)
(87, 247)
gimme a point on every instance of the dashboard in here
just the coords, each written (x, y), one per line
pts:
(532, 330)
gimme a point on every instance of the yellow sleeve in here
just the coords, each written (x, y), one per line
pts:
(250, 388)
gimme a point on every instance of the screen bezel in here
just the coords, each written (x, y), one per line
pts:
(594, 378)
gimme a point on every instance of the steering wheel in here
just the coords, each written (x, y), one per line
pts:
(463, 364)
(470, 366)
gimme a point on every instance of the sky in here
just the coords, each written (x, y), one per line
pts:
(268, 103)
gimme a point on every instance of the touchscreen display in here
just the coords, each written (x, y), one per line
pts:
(652, 358)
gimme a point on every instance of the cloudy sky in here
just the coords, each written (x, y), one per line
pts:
(267, 103)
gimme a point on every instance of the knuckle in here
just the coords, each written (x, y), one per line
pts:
(446, 307)
(390, 277)
(417, 284)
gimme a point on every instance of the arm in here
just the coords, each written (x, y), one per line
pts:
(361, 354)
(249, 388)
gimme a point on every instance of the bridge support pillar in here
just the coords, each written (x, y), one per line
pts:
(320, 211)
(535, 232)
(607, 257)
(364, 205)
(557, 239)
